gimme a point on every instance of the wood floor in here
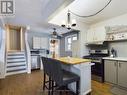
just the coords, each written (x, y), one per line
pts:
(31, 84)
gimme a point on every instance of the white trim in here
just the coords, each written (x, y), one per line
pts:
(17, 72)
(28, 55)
(71, 36)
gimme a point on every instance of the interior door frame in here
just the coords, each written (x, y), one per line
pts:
(22, 39)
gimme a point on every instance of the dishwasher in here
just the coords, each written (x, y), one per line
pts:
(35, 61)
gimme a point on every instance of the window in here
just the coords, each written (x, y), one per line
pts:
(74, 38)
(69, 40)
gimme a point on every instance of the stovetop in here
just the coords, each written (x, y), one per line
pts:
(97, 56)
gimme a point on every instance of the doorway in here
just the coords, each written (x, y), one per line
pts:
(15, 38)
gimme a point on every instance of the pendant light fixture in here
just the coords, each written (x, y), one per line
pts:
(70, 23)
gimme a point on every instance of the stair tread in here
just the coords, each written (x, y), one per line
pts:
(15, 68)
(17, 72)
(16, 60)
(19, 63)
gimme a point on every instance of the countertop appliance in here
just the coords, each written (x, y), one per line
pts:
(97, 70)
(113, 53)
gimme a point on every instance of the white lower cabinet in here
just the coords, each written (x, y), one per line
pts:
(111, 71)
(116, 72)
(122, 74)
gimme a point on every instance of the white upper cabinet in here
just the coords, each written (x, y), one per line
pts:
(40, 43)
(90, 35)
(96, 34)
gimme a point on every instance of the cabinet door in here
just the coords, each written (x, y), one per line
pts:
(34, 62)
(36, 43)
(44, 42)
(110, 71)
(90, 35)
(99, 34)
(122, 74)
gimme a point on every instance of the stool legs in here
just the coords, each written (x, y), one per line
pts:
(49, 90)
(44, 81)
(52, 87)
(77, 88)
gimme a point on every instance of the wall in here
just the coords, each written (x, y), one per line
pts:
(119, 46)
(32, 34)
(82, 38)
(2, 54)
(0, 36)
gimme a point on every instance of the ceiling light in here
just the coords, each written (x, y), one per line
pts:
(69, 23)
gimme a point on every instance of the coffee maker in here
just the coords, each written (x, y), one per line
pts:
(113, 53)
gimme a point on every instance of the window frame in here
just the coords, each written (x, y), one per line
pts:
(66, 41)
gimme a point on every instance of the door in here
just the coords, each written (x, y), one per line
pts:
(122, 74)
(110, 71)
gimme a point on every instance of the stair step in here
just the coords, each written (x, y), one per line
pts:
(15, 68)
(16, 52)
(16, 72)
(16, 64)
(16, 60)
(13, 57)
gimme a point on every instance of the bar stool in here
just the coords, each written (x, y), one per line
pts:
(60, 76)
(46, 68)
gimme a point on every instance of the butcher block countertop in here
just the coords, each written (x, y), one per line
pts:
(72, 60)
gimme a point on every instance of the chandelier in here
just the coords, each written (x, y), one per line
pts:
(69, 23)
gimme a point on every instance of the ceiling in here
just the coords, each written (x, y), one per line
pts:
(35, 13)
(88, 7)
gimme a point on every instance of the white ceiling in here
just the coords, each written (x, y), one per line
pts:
(88, 7)
(35, 13)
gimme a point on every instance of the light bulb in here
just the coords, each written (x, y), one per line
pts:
(73, 22)
(63, 23)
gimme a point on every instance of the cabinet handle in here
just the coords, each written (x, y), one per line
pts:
(120, 64)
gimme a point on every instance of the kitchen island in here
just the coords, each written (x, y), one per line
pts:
(81, 67)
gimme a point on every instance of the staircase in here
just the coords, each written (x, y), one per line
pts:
(16, 63)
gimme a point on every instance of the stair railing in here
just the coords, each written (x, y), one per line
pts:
(28, 54)
(2, 54)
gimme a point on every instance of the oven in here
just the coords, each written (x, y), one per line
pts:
(97, 70)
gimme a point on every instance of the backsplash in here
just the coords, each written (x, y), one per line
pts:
(120, 47)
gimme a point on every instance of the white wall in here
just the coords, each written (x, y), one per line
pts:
(2, 54)
(83, 50)
(120, 20)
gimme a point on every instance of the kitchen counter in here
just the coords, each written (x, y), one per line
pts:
(81, 67)
(116, 58)
(73, 61)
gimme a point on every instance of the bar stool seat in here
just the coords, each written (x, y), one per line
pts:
(69, 77)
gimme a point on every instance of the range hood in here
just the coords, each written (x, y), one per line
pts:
(95, 43)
